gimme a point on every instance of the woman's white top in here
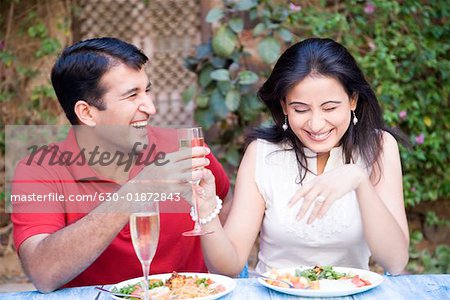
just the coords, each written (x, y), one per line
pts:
(337, 239)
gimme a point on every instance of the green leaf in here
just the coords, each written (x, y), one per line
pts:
(269, 50)
(48, 46)
(214, 15)
(202, 101)
(416, 236)
(218, 62)
(280, 13)
(233, 157)
(253, 14)
(203, 51)
(247, 77)
(251, 107)
(205, 76)
(259, 29)
(236, 24)
(245, 4)
(7, 58)
(224, 86)
(220, 75)
(189, 93)
(232, 100)
(285, 34)
(224, 42)
(38, 31)
(273, 26)
(217, 104)
(265, 13)
(204, 117)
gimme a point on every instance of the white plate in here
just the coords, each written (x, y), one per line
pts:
(329, 288)
(227, 282)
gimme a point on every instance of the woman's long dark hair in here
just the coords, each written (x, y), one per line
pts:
(323, 57)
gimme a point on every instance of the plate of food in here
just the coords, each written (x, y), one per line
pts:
(321, 281)
(174, 286)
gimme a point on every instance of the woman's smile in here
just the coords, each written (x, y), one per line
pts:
(319, 137)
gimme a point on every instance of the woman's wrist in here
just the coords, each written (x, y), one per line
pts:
(209, 217)
(363, 180)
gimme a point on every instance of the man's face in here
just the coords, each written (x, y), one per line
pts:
(128, 107)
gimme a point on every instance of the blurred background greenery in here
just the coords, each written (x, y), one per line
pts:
(402, 47)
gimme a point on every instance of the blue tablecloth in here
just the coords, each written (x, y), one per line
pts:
(423, 287)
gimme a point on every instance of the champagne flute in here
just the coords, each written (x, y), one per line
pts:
(144, 227)
(188, 138)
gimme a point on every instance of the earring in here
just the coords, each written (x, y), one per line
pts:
(355, 119)
(285, 125)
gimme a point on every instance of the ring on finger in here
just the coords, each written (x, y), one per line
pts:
(320, 199)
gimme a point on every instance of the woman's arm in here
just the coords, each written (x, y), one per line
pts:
(383, 211)
(226, 250)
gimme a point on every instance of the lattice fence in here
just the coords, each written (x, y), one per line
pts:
(166, 30)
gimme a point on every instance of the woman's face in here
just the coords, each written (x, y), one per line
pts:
(319, 112)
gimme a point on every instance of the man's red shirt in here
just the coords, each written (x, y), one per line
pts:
(118, 262)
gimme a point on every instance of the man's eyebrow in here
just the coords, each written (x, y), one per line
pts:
(135, 89)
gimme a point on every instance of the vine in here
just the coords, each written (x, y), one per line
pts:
(31, 35)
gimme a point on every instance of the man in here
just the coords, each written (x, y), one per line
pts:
(104, 91)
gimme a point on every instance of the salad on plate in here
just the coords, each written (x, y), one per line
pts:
(316, 278)
(321, 281)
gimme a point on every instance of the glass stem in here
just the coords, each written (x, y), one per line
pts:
(197, 225)
(146, 270)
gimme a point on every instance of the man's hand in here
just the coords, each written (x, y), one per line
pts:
(174, 176)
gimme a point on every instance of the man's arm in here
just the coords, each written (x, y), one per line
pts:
(51, 260)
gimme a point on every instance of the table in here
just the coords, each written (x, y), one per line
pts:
(423, 287)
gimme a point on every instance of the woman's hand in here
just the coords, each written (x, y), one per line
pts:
(173, 173)
(206, 191)
(325, 189)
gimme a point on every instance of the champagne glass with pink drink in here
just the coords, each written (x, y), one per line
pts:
(144, 227)
(188, 138)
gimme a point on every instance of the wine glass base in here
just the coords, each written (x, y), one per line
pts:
(197, 232)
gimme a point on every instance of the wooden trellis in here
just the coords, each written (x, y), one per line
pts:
(166, 30)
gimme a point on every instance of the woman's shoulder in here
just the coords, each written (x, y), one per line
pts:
(266, 143)
(264, 146)
(261, 148)
(388, 141)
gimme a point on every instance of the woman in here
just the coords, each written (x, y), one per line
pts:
(324, 184)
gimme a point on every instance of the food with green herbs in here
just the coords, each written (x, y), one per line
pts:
(310, 278)
(176, 287)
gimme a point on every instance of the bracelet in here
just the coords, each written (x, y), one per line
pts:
(209, 218)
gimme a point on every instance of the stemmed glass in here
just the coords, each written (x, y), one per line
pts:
(144, 227)
(188, 138)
